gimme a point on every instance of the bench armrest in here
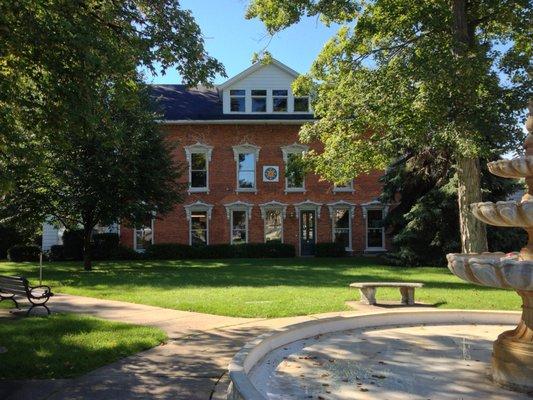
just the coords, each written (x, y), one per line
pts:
(46, 293)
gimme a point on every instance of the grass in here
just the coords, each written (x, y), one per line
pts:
(258, 287)
(64, 345)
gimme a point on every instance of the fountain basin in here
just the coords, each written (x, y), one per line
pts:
(505, 213)
(516, 168)
(493, 270)
(245, 387)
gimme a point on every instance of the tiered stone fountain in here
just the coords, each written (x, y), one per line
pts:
(512, 357)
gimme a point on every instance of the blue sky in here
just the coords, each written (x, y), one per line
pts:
(232, 39)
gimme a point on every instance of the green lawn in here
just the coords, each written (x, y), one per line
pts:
(63, 346)
(258, 287)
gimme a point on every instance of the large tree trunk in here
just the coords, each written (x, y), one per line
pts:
(473, 231)
(87, 250)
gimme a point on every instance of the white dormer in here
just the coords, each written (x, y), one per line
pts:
(263, 89)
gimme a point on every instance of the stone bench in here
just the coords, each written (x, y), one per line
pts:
(368, 290)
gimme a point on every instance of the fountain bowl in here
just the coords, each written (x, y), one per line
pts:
(505, 213)
(492, 269)
(516, 168)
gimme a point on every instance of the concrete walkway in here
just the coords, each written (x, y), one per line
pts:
(192, 365)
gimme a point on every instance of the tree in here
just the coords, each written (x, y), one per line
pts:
(52, 50)
(406, 74)
(121, 170)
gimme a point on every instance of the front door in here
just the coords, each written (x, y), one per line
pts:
(307, 233)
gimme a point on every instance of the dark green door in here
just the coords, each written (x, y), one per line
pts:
(307, 233)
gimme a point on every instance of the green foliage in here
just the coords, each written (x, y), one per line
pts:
(104, 246)
(424, 221)
(9, 237)
(23, 252)
(330, 249)
(68, 345)
(172, 251)
(72, 244)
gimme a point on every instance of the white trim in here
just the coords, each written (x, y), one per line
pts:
(347, 189)
(198, 206)
(276, 206)
(239, 206)
(245, 148)
(342, 205)
(235, 121)
(199, 148)
(135, 236)
(255, 67)
(307, 205)
(374, 205)
(295, 148)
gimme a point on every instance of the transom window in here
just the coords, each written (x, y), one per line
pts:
(341, 227)
(198, 228)
(273, 225)
(144, 235)
(280, 100)
(301, 104)
(259, 100)
(237, 100)
(239, 227)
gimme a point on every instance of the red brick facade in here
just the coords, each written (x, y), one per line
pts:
(174, 227)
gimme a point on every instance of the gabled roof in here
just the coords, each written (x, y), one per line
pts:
(256, 66)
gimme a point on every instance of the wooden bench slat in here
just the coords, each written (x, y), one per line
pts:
(12, 286)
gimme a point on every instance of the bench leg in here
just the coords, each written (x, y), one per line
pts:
(37, 305)
(14, 301)
(408, 296)
(368, 296)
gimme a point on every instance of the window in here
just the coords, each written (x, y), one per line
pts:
(198, 156)
(279, 100)
(301, 104)
(347, 187)
(239, 227)
(341, 227)
(198, 227)
(273, 225)
(198, 170)
(237, 100)
(246, 156)
(295, 179)
(259, 100)
(374, 229)
(144, 235)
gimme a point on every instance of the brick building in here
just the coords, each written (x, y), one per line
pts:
(236, 140)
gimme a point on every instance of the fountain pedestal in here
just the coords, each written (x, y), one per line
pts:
(512, 357)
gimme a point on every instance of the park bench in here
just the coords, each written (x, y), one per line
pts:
(11, 286)
(368, 290)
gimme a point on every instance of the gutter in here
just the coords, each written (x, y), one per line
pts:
(236, 122)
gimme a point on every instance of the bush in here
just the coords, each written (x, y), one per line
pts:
(124, 253)
(330, 249)
(9, 237)
(57, 252)
(73, 245)
(21, 252)
(171, 251)
(104, 245)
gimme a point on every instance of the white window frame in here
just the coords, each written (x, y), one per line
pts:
(308, 104)
(299, 149)
(267, 96)
(374, 205)
(286, 97)
(135, 236)
(246, 148)
(342, 205)
(245, 96)
(199, 207)
(239, 206)
(273, 206)
(199, 148)
(344, 189)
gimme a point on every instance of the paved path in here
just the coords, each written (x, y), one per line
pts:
(191, 366)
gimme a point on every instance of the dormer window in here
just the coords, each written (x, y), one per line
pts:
(280, 100)
(259, 100)
(301, 104)
(238, 100)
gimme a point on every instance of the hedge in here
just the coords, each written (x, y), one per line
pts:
(330, 249)
(171, 251)
(22, 252)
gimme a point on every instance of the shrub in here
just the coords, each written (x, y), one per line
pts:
(9, 237)
(57, 252)
(124, 253)
(171, 251)
(22, 252)
(330, 249)
(104, 245)
(73, 245)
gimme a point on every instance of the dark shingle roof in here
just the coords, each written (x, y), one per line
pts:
(178, 102)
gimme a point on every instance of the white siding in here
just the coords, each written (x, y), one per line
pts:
(51, 236)
(269, 77)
